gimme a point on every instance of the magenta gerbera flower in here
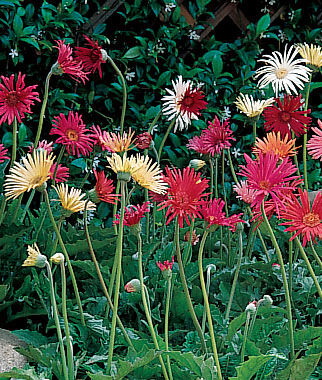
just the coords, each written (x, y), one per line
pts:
(66, 64)
(314, 145)
(44, 144)
(186, 189)
(62, 173)
(269, 177)
(286, 117)
(197, 144)
(3, 154)
(16, 99)
(133, 214)
(72, 133)
(91, 57)
(217, 136)
(166, 265)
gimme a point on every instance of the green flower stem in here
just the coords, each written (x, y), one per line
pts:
(2, 208)
(287, 293)
(128, 198)
(308, 264)
(232, 167)
(31, 196)
(211, 167)
(295, 158)
(233, 288)
(54, 248)
(154, 214)
(216, 176)
(225, 198)
(206, 301)
(60, 156)
(118, 263)
(305, 136)
(114, 213)
(154, 121)
(203, 324)
(69, 344)
(166, 325)
(155, 152)
(188, 247)
(186, 290)
(316, 256)
(165, 137)
(124, 92)
(254, 131)
(100, 277)
(55, 310)
(43, 108)
(250, 241)
(40, 225)
(69, 264)
(14, 143)
(146, 306)
(147, 217)
(88, 172)
(242, 355)
(263, 244)
(290, 267)
(16, 210)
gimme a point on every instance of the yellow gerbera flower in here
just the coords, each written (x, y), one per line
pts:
(273, 143)
(115, 142)
(251, 107)
(35, 258)
(72, 201)
(148, 174)
(311, 53)
(121, 164)
(31, 174)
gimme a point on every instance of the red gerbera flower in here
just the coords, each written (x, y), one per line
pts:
(62, 173)
(191, 101)
(216, 137)
(314, 145)
(133, 214)
(67, 64)
(143, 140)
(185, 192)
(104, 188)
(91, 57)
(268, 177)
(302, 218)
(16, 99)
(72, 133)
(3, 154)
(158, 198)
(166, 264)
(212, 212)
(286, 117)
(197, 144)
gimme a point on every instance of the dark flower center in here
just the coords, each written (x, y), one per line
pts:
(72, 135)
(187, 101)
(311, 219)
(12, 98)
(285, 116)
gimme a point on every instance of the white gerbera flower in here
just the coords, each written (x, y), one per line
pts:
(251, 107)
(183, 103)
(284, 72)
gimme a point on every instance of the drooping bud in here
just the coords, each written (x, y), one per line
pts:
(133, 286)
(57, 258)
(35, 258)
(196, 164)
(251, 307)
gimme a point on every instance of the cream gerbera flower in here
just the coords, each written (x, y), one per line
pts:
(33, 172)
(311, 53)
(148, 174)
(121, 164)
(251, 107)
(284, 72)
(35, 258)
(72, 200)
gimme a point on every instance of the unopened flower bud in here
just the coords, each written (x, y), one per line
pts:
(104, 55)
(251, 307)
(35, 258)
(133, 286)
(143, 140)
(194, 237)
(92, 195)
(196, 164)
(166, 268)
(276, 266)
(57, 258)
(268, 299)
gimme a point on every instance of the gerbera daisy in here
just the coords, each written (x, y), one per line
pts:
(133, 214)
(268, 177)
(197, 164)
(186, 189)
(143, 140)
(286, 117)
(121, 164)
(166, 265)
(217, 136)
(72, 200)
(103, 189)
(244, 192)
(35, 258)
(16, 99)
(91, 57)
(62, 173)
(314, 145)
(212, 212)
(183, 103)
(194, 237)
(197, 144)
(148, 174)
(158, 198)
(251, 107)
(44, 144)
(311, 53)
(284, 72)
(67, 64)
(114, 143)
(3, 154)
(273, 143)
(31, 174)
(72, 133)
(302, 218)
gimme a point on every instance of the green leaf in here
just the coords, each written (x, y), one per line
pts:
(163, 78)
(17, 25)
(30, 41)
(249, 368)
(22, 133)
(263, 24)
(3, 292)
(217, 64)
(31, 337)
(79, 163)
(315, 85)
(99, 376)
(300, 369)
(176, 15)
(134, 52)
(16, 373)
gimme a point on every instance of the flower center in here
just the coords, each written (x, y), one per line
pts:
(72, 135)
(36, 180)
(265, 185)
(311, 219)
(187, 101)
(281, 73)
(285, 116)
(12, 98)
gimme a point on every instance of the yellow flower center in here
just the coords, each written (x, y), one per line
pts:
(281, 73)
(36, 180)
(311, 219)
(265, 185)
(72, 135)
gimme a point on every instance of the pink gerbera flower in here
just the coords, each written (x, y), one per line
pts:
(302, 218)
(286, 117)
(186, 189)
(166, 265)
(66, 64)
(133, 214)
(104, 188)
(62, 173)
(314, 145)
(217, 136)
(16, 99)
(244, 192)
(44, 144)
(197, 144)
(269, 177)
(72, 133)
(3, 154)
(91, 57)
